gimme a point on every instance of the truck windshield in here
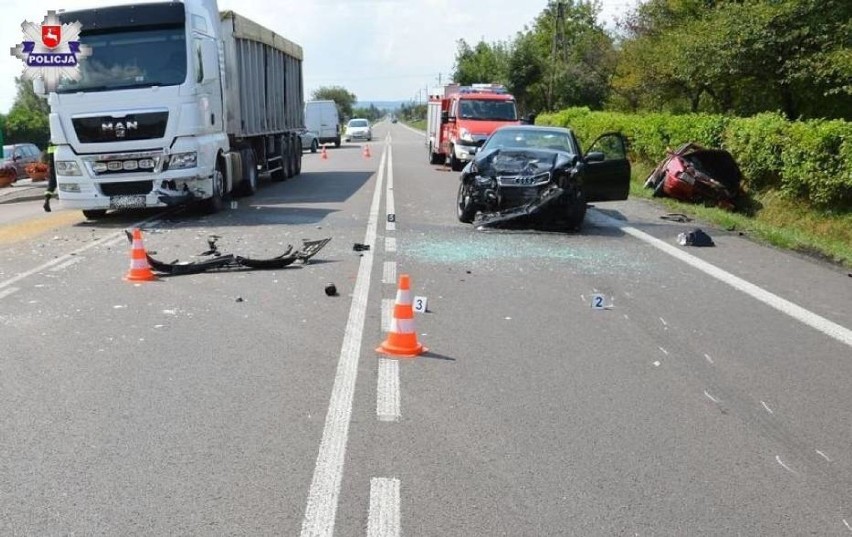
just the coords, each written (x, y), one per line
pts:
(131, 59)
(487, 110)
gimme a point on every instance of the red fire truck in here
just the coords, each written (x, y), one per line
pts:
(460, 118)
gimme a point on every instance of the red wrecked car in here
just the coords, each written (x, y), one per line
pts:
(698, 175)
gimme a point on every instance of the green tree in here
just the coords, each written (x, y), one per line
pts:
(485, 63)
(740, 57)
(342, 97)
(27, 121)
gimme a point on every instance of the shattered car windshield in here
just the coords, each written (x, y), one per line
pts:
(487, 110)
(527, 138)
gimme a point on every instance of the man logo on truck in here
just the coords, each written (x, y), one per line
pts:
(120, 129)
(51, 50)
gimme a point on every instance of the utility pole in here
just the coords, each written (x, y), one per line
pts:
(558, 46)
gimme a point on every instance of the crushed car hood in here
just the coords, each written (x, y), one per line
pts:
(499, 162)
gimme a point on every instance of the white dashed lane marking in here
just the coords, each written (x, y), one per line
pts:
(387, 393)
(389, 272)
(383, 519)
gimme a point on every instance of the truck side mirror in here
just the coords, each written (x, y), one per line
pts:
(209, 60)
(445, 117)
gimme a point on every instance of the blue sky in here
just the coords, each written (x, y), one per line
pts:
(378, 49)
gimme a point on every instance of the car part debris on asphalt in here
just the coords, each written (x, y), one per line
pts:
(695, 237)
(220, 261)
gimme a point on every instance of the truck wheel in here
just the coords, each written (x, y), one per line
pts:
(290, 158)
(281, 174)
(434, 158)
(465, 208)
(455, 164)
(337, 142)
(298, 156)
(214, 203)
(249, 184)
(94, 214)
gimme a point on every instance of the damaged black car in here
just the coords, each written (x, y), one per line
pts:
(539, 177)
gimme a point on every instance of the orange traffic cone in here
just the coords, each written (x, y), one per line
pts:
(367, 152)
(402, 339)
(324, 153)
(140, 270)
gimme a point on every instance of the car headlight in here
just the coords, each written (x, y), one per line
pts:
(482, 180)
(465, 135)
(180, 161)
(67, 167)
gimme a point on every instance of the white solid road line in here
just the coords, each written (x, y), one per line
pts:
(390, 245)
(8, 291)
(321, 507)
(415, 131)
(389, 272)
(390, 206)
(387, 393)
(67, 264)
(829, 328)
(383, 520)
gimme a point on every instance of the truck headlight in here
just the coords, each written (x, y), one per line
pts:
(67, 167)
(180, 161)
(465, 135)
(69, 187)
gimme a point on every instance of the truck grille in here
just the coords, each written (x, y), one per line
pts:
(139, 126)
(128, 188)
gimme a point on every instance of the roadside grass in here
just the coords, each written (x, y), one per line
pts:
(770, 218)
(419, 124)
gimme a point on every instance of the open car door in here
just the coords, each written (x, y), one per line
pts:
(606, 175)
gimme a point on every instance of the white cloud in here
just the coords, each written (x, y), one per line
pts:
(378, 49)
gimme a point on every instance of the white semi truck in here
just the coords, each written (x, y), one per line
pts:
(177, 103)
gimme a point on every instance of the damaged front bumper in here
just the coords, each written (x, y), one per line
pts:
(220, 261)
(546, 209)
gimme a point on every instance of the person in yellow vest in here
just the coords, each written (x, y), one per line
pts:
(51, 178)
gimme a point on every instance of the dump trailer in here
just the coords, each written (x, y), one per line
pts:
(177, 103)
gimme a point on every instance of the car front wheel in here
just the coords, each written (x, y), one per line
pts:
(465, 208)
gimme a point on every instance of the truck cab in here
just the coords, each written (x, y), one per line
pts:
(460, 120)
(177, 103)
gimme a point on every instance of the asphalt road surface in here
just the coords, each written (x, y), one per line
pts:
(711, 396)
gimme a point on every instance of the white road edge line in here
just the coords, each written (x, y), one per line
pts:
(65, 265)
(390, 245)
(63, 258)
(415, 131)
(389, 272)
(383, 519)
(6, 292)
(321, 509)
(387, 394)
(829, 328)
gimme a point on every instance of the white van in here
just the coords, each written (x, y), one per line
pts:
(322, 118)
